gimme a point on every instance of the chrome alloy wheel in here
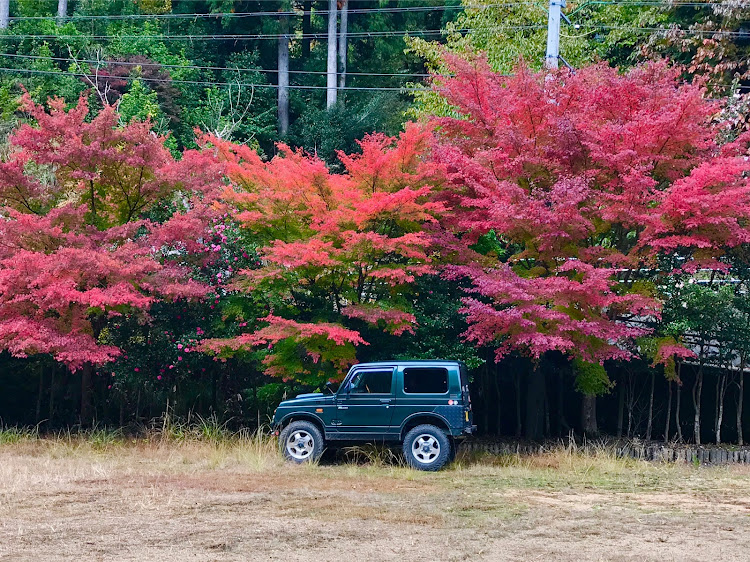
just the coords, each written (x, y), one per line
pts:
(300, 445)
(425, 448)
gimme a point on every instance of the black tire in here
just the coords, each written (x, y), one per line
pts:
(427, 447)
(300, 442)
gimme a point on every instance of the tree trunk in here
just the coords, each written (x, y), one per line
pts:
(722, 391)
(562, 423)
(306, 28)
(650, 423)
(39, 394)
(717, 425)
(546, 410)
(486, 399)
(214, 393)
(588, 415)
(51, 411)
(620, 410)
(697, 391)
(332, 55)
(535, 405)
(669, 411)
(740, 398)
(498, 395)
(631, 403)
(62, 11)
(87, 395)
(677, 406)
(283, 68)
(4, 13)
(517, 388)
(343, 44)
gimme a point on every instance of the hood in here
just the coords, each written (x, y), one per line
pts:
(308, 398)
(309, 395)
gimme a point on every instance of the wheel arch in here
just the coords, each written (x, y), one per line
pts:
(303, 416)
(424, 418)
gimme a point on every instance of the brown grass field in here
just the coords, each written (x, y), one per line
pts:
(84, 499)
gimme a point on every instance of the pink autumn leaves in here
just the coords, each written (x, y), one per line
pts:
(77, 249)
(587, 178)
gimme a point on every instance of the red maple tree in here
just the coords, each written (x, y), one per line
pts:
(584, 179)
(78, 243)
(333, 247)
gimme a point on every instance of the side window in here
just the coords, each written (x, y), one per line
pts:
(425, 380)
(371, 382)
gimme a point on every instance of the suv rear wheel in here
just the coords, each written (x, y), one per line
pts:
(301, 441)
(427, 447)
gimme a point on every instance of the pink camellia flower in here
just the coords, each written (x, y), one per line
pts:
(136, 369)
(158, 377)
(109, 387)
(171, 366)
(179, 346)
(179, 358)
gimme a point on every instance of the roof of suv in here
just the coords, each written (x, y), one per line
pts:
(411, 362)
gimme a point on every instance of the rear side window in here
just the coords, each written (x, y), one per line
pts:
(371, 382)
(425, 380)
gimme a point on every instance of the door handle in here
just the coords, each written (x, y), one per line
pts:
(385, 400)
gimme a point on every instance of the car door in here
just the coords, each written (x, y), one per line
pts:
(363, 405)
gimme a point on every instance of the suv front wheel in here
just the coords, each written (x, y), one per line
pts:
(301, 441)
(427, 447)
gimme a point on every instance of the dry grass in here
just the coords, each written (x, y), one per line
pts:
(201, 495)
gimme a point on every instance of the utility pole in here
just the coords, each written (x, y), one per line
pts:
(283, 68)
(331, 66)
(343, 44)
(4, 12)
(553, 33)
(62, 11)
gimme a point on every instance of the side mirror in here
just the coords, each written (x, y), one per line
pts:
(329, 387)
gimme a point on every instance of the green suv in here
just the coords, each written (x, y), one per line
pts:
(423, 405)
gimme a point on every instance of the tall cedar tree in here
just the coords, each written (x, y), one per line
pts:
(78, 247)
(336, 249)
(585, 178)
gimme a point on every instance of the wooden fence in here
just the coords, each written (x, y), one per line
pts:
(653, 451)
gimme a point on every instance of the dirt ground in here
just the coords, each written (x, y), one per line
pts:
(200, 502)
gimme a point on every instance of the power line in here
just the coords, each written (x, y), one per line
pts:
(700, 32)
(216, 68)
(216, 15)
(268, 36)
(201, 82)
(367, 34)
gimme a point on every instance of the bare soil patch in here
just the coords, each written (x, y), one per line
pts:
(205, 502)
